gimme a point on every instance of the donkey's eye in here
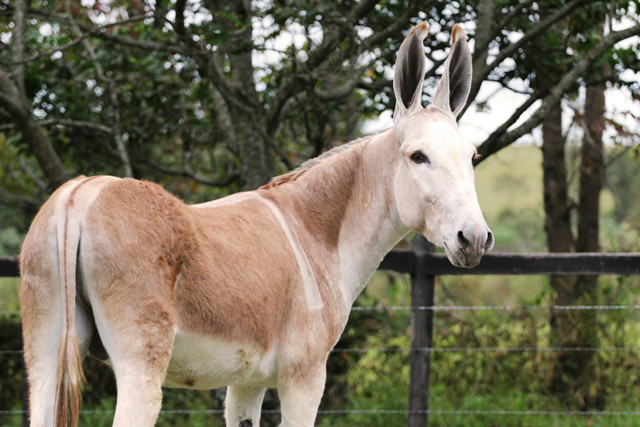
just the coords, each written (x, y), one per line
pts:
(419, 157)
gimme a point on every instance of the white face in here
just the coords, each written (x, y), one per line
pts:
(434, 186)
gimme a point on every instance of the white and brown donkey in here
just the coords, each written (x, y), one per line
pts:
(250, 291)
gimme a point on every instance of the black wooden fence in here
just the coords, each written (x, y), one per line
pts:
(424, 265)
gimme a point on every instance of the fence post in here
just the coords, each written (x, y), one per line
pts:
(422, 290)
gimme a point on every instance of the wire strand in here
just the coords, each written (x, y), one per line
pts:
(485, 349)
(467, 308)
(331, 412)
(457, 349)
(498, 307)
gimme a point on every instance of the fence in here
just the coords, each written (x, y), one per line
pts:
(424, 265)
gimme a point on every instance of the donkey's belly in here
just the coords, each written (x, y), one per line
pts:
(203, 362)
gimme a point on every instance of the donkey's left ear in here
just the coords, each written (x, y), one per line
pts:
(411, 65)
(453, 89)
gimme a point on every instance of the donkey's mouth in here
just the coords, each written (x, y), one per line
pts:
(461, 258)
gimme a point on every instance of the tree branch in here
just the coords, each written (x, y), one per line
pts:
(498, 141)
(325, 53)
(393, 30)
(18, 43)
(484, 148)
(229, 178)
(28, 202)
(9, 102)
(481, 73)
(507, 17)
(116, 126)
(31, 174)
(13, 98)
(79, 124)
(86, 32)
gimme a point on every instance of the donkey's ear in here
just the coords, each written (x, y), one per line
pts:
(453, 89)
(411, 65)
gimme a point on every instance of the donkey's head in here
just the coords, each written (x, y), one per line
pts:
(434, 183)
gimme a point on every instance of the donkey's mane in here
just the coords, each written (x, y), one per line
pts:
(305, 166)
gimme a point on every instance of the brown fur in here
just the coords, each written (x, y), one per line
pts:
(151, 237)
(316, 207)
(242, 284)
(306, 166)
(215, 286)
(321, 197)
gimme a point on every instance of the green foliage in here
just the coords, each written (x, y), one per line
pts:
(11, 365)
(492, 380)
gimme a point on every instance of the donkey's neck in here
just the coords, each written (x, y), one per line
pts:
(345, 206)
(372, 226)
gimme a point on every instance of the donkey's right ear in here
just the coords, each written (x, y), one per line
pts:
(411, 65)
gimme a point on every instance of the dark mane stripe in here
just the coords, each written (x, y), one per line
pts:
(304, 167)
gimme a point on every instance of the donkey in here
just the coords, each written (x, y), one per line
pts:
(252, 290)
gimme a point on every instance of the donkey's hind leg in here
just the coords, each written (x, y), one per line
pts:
(242, 405)
(42, 330)
(138, 337)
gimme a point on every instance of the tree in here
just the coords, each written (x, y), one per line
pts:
(576, 377)
(202, 65)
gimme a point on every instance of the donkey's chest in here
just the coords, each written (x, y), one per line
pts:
(203, 362)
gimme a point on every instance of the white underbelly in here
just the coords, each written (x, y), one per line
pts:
(203, 362)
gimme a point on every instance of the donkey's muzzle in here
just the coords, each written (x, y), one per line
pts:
(470, 245)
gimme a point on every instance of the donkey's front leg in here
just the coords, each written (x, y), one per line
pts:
(300, 391)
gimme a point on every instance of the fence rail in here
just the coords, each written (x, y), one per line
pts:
(548, 264)
(437, 264)
(9, 266)
(423, 265)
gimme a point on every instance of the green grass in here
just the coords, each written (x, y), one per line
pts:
(9, 294)
(510, 180)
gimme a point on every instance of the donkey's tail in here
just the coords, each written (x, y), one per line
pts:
(69, 375)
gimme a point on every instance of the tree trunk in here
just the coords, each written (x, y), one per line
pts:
(13, 98)
(556, 198)
(590, 394)
(486, 11)
(591, 170)
(576, 378)
(558, 230)
(245, 110)
(41, 147)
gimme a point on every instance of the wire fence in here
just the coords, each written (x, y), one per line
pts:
(461, 349)
(497, 307)
(404, 412)
(371, 412)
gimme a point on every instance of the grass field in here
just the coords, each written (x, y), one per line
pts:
(510, 180)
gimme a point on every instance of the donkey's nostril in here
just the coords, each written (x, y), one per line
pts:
(489, 243)
(464, 243)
